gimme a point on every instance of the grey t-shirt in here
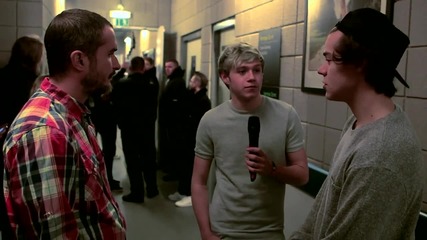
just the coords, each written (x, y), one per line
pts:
(374, 187)
(241, 208)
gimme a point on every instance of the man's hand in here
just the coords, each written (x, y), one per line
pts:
(257, 161)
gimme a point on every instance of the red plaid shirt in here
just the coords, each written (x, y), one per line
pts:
(55, 182)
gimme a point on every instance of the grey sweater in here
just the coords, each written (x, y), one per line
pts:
(374, 187)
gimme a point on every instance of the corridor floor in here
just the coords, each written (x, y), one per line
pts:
(157, 218)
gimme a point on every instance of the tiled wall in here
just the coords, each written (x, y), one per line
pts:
(20, 18)
(322, 119)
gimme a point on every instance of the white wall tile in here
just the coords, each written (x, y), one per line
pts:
(288, 40)
(290, 12)
(301, 10)
(8, 15)
(25, 31)
(242, 6)
(287, 69)
(401, 15)
(300, 104)
(30, 14)
(7, 37)
(286, 95)
(418, 21)
(299, 47)
(316, 109)
(336, 114)
(417, 72)
(315, 141)
(298, 72)
(417, 112)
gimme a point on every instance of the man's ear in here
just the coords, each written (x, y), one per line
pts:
(79, 60)
(225, 77)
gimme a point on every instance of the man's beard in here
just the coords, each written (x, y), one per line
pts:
(92, 85)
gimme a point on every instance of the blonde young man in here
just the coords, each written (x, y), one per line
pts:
(241, 209)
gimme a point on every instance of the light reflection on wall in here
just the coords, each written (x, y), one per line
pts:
(144, 39)
(59, 6)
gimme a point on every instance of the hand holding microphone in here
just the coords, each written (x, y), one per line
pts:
(254, 127)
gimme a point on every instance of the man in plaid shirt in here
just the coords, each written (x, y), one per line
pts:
(55, 183)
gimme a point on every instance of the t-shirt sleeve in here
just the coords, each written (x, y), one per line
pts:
(295, 134)
(204, 143)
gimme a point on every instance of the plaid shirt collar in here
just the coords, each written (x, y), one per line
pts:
(75, 108)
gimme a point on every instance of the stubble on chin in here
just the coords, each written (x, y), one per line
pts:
(97, 89)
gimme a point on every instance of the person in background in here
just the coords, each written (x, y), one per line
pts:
(18, 76)
(375, 182)
(104, 118)
(16, 81)
(37, 83)
(240, 208)
(55, 180)
(171, 121)
(198, 105)
(135, 99)
(150, 69)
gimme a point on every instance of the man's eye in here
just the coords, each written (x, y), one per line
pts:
(338, 59)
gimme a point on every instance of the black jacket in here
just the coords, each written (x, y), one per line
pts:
(15, 87)
(135, 100)
(172, 100)
(197, 105)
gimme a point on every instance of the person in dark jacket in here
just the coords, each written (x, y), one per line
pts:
(172, 119)
(104, 119)
(198, 103)
(135, 100)
(16, 81)
(150, 70)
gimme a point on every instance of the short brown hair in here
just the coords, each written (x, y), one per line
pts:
(202, 78)
(74, 29)
(137, 63)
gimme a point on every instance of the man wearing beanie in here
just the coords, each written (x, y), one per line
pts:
(374, 186)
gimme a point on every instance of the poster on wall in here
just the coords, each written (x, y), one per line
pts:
(270, 47)
(321, 17)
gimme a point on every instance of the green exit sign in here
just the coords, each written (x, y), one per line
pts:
(120, 22)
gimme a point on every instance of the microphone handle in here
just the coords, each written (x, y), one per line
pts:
(253, 142)
(252, 175)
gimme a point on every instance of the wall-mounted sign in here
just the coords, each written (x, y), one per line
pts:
(269, 46)
(121, 22)
(272, 92)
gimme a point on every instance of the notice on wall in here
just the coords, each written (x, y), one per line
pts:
(272, 92)
(270, 47)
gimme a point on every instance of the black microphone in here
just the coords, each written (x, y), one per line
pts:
(253, 130)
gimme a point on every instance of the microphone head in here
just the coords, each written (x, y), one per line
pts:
(253, 124)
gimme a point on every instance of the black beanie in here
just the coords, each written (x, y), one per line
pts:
(373, 30)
